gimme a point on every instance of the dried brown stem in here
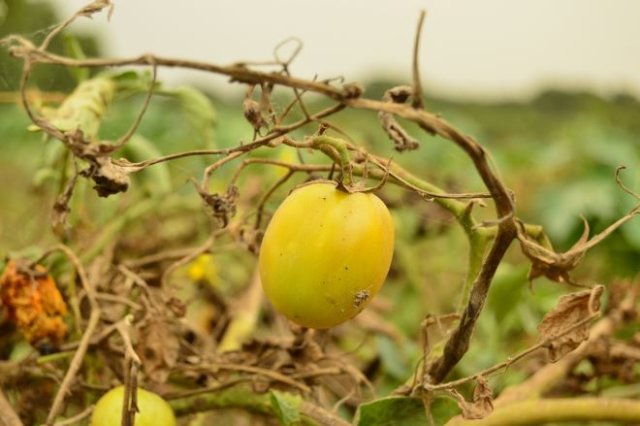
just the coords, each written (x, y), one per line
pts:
(94, 319)
(74, 367)
(238, 72)
(134, 126)
(77, 418)
(418, 102)
(270, 374)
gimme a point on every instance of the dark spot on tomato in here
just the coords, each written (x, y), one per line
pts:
(360, 297)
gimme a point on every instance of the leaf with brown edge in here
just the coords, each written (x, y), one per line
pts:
(546, 262)
(482, 404)
(564, 327)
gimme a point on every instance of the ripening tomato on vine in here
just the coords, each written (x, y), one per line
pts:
(325, 254)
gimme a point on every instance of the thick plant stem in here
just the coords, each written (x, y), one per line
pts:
(542, 411)
(458, 343)
(479, 241)
(323, 143)
(243, 397)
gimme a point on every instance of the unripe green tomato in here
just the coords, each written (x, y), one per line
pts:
(325, 254)
(153, 410)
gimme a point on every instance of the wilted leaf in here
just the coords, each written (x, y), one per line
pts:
(482, 397)
(158, 348)
(84, 108)
(570, 310)
(482, 404)
(402, 140)
(109, 178)
(253, 114)
(221, 206)
(392, 411)
(554, 266)
(61, 207)
(286, 407)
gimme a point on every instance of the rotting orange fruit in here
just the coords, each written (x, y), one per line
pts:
(325, 254)
(33, 303)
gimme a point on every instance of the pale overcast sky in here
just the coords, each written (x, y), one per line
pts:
(495, 48)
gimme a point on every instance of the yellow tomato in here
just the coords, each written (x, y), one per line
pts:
(154, 411)
(325, 254)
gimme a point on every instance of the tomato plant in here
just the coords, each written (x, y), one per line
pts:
(152, 409)
(325, 254)
(133, 275)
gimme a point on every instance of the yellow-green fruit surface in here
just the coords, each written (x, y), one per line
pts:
(325, 254)
(154, 411)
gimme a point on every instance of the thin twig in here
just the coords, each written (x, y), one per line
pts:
(94, 319)
(74, 367)
(195, 252)
(417, 102)
(134, 126)
(77, 418)
(267, 195)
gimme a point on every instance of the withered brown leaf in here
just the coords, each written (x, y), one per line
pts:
(158, 348)
(569, 312)
(109, 178)
(221, 206)
(482, 404)
(546, 262)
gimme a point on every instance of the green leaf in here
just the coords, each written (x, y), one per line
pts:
(73, 49)
(392, 411)
(286, 407)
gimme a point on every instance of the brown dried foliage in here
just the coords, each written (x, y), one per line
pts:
(570, 310)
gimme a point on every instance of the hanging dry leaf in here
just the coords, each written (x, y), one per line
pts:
(434, 328)
(402, 140)
(221, 206)
(159, 348)
(570, 310)
(556, 266)
(546, 262)
(110, 178)
(482, 404)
